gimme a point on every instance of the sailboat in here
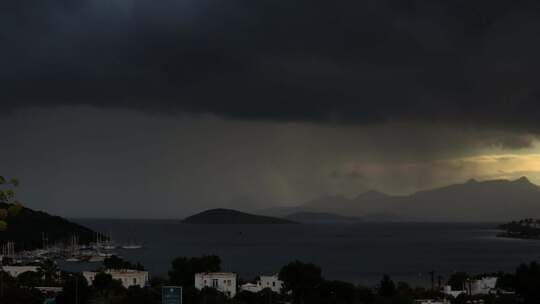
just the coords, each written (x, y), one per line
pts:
(132, 245)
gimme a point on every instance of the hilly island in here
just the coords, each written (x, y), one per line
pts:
(228, 216)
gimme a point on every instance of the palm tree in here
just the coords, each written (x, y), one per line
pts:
(49, 271)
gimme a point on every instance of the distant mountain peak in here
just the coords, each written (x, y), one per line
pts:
(230, 216)
(371, 194)
(522, 180)
(472, 181)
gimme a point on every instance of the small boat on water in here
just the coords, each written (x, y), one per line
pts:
(96, 259)
(132, 246)
(72, 260)
(109, 246)
(105, 255)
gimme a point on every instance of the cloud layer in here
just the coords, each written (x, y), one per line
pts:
(462, 61)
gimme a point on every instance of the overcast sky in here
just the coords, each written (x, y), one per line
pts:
(140, 108)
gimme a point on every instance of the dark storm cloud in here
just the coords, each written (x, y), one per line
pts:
(352, 61)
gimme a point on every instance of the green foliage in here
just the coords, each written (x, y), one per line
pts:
(302, 280)
(14, 182)
(184, 269)
(7, 195)
(3, 214)
(15, 209)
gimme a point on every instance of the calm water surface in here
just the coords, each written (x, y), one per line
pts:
(359, 253)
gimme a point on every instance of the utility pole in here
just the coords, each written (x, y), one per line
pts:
(76, 290)
(432, 274)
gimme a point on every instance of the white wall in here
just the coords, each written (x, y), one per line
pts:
(222, 281)
(271, 282)
(127, 277)
(15, 271)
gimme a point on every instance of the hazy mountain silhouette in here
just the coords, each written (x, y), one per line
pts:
(492, 200)
(322, 218)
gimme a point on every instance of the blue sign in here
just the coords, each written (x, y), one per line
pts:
(171, 295)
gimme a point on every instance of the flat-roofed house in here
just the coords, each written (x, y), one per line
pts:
(224, 282)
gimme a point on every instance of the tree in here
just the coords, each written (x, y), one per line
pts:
(506, 281)
(49, 271)
(212, 296)
(457, 280)
(387, 287)
(302, 280)
(184, 269)
(74, 290)
(3, 214)
(138, 295)
(12, 292)
(29, 279)
(337, 292)
(527, 282)
(105, 283)
(7, 195)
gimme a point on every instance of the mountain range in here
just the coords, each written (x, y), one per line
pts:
(472, 201)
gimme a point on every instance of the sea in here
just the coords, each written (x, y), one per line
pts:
(358, 253)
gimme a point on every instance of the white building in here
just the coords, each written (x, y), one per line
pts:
(272, 282)
(224, 282)
(15, 271)
(128, 277)
(447, 290)
(483, 286)
(431, 301)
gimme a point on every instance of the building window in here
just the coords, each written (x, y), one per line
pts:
(274, 284)
(215, 283)
(134, 281)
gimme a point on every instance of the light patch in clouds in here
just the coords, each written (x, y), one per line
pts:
(435, 173)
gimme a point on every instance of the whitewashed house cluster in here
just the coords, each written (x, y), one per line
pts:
(225, 282)
(128, 277)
